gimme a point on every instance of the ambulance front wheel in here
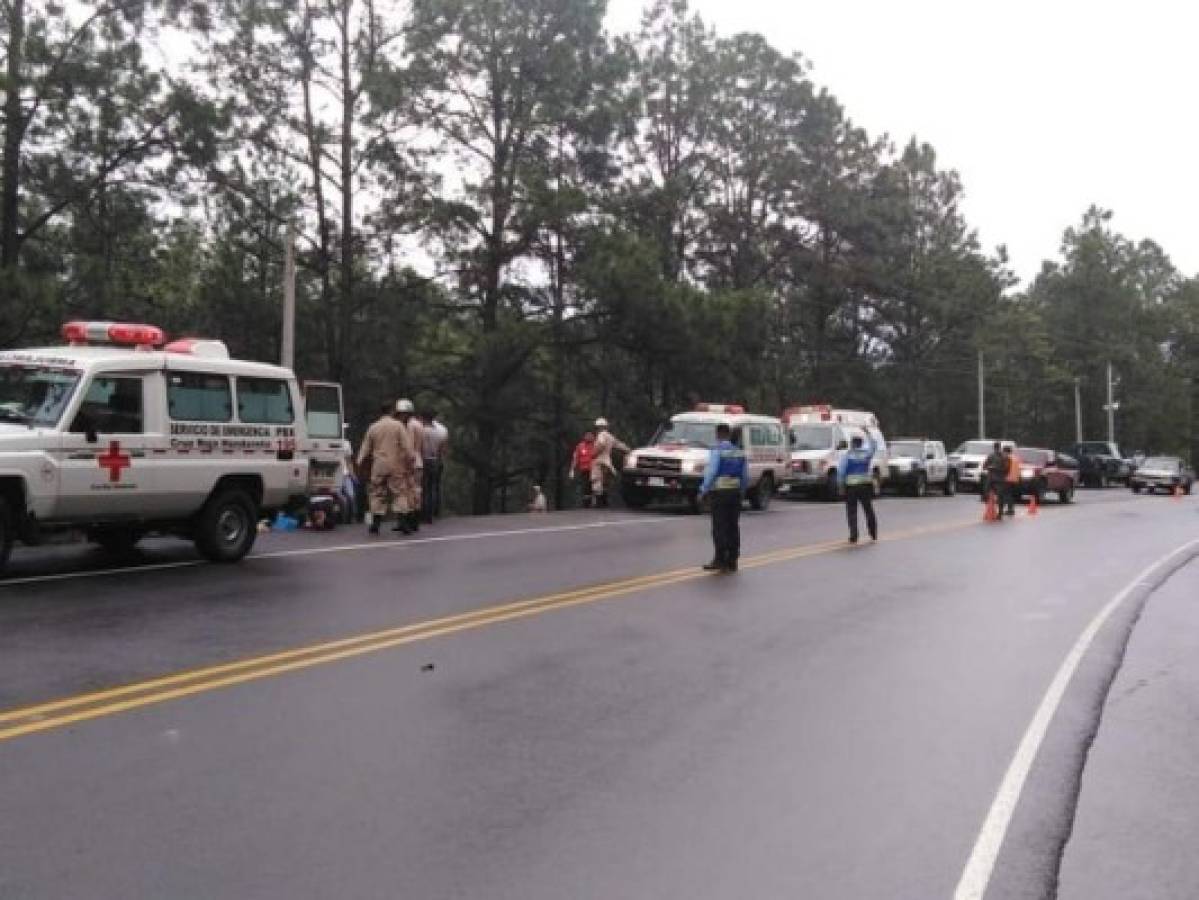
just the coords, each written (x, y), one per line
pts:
(7, 532)
(227, 526)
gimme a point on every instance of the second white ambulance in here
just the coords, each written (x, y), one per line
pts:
(820, 436)
(672, 466)
(116, 435)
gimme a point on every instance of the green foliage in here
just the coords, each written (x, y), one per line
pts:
(506, 213)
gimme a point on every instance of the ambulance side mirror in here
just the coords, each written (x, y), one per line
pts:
(842, 445)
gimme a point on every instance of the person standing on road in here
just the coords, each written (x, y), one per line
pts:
(996, 468)
(433, 448)
(853, 471)
(410, 469)
(1011, 478)
(381, 457)
(580, 467)
(601, 463)
(726, 479)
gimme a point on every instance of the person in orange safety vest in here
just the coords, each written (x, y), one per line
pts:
(1012, 485)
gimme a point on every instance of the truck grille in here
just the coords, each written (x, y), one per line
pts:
(972, 465)
(660, 464)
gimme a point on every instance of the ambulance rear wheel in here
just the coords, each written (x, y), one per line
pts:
(759, 497)
(227, 526)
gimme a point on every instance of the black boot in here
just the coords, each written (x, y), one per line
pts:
(714, 566)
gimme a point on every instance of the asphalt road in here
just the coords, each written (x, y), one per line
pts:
(563, 706)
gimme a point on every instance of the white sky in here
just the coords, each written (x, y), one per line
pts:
(1043, 107)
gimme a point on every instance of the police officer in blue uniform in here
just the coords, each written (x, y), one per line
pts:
(725, 481)
(853, 471)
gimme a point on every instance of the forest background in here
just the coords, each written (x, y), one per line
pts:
(508, 213)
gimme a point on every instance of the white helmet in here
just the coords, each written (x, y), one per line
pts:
(405, 406)
(601, 423)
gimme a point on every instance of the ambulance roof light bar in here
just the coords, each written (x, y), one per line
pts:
(125, 334)
(207, 349)
(732, 409)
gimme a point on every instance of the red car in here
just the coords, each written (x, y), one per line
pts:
(1047, 472)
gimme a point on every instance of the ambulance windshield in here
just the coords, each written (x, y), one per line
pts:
(35, 396)
(812, 437)
(695, 434)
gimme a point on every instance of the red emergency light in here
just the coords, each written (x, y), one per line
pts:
(123, 333)
(821, 409)
(732, 409)
(198, 347)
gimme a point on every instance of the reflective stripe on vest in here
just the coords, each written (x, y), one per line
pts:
(857, 467)
(730, 469)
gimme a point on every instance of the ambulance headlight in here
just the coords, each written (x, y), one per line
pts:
(693, 467)
(1028, 473)
(630, 461)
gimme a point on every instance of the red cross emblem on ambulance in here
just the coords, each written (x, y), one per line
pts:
(115, 461)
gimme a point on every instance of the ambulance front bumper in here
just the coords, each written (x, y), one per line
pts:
(662, 483)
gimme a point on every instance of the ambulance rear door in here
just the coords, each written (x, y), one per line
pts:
(326, 445)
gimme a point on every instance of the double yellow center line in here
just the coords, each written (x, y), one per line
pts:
(82, 707)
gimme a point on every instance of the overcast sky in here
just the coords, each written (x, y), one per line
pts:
(1043, 107)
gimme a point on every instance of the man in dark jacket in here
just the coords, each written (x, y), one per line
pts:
(996, 468)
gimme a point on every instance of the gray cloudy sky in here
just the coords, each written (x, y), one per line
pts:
(1043, 107)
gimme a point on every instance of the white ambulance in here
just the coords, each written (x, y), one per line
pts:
(820, 436)
(116, 435)
(672, 466)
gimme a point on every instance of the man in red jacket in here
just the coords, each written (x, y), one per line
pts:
(580, 466)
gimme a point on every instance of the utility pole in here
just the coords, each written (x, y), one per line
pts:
(1111, 407)
(288, 346)
(1077, 411)
(982, 398)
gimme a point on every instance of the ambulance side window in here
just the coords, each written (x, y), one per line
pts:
(757, 436)
(264, 401)
(111, 405)
(199, 397)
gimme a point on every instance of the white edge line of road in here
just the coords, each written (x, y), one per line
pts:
(339, 548)
(976, 877)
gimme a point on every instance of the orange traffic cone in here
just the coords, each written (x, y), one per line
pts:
(1032, 505)
(991, 512)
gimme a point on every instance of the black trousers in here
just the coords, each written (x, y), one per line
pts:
(726, 526)
(430, 500)
(1005, 496)
(863, 495)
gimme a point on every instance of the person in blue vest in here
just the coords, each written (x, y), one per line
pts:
(726, 480)
(853, 471)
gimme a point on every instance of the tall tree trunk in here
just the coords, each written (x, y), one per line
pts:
(14, 133)
(346, 286)
(325, 260)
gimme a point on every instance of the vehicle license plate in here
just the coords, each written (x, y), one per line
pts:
(657, 482)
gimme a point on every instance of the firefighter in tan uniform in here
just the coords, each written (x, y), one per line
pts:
(386, 447)
(601, 462)
(412, 470)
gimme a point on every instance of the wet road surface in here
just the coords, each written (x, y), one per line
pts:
(563, 706)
